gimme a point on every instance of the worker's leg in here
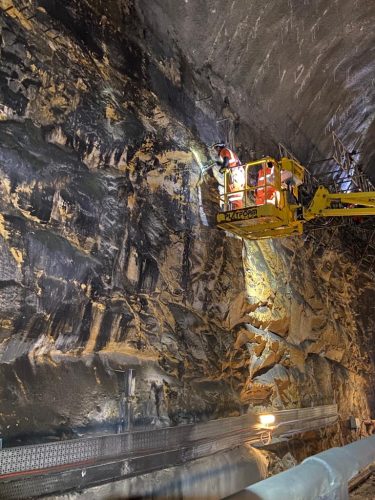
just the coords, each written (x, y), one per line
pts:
(259, 196)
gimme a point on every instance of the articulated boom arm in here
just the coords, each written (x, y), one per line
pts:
(326, 204)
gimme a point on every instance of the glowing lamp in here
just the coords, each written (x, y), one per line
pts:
(267, 419)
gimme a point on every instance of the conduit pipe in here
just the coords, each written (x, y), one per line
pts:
(322, 476)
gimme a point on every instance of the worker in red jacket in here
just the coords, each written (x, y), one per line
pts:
(266, 191)
(229, 160)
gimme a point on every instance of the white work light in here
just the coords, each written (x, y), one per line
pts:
(267, 420)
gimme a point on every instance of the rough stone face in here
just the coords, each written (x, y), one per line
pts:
(298, 339)
(109, 262)
(110, 259)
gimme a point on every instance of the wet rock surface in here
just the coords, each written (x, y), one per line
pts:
(110, 259)
(106, 262)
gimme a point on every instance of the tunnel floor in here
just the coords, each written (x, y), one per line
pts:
(365, 491)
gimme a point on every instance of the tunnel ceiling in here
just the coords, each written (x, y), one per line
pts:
(288, 72)
(295, 70)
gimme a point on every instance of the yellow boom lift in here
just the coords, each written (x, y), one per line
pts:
(262, 200)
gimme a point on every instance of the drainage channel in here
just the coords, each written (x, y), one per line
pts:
(37, 470)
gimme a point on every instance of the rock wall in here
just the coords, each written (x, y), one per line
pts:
(305, 340)
(111, 261)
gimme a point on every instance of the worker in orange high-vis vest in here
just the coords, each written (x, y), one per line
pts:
(229, 160)
(266, 191)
